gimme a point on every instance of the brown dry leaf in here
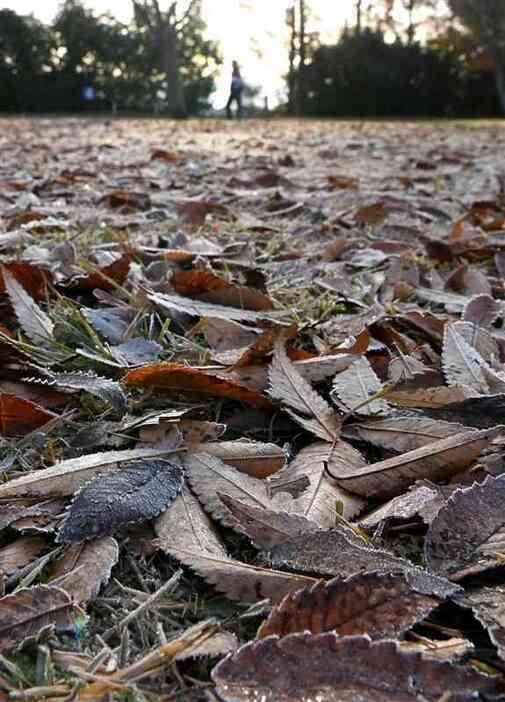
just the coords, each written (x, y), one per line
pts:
(380, 605)
(355, 386)
(204, 285)
(485, 411)
(209, 476)
(480, 339)
(301, 401)
(431, 397)
(27, 613)
(106, 278)
(449, 650)
(222, 643)
(265, 527)
(34, 322)
(20, 552)
(488, 606)
(125, 199)
(194, 212)
(483, 311)
(33, 278)
(197, 308)
(174, 377)
(240, 581)
(336, 182)
(313, 370)
(65, 477)
(251, 457)
(401, 434)
(321, 500)
(186, 526)
(84, 568)
(422, 499)
(372, 214)
(468, 534)
(304, 667)
(439, 460)
(164, 155)
(264, 344)
(340, 552)
(463, 364)
(19, 417)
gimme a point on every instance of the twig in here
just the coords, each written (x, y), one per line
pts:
(144, 606)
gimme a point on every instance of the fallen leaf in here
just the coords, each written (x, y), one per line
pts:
(34, 322)
(128, 200)
(186, 526)
(28, 613)
(138, 492)
(65, 477)
(106, 278)
(439, 460)
(354, 387)
(33, 279)
(204, 285)
(380, 605)
(240, 581)
(84, 568)
(209, 476)
(265, 527)
(431, 397)
(463, 365)
(20, 552)
(468, 534)
(323, 498)
(341, 552)
(174, 377)
(106, 390)
(421, 500)
(403, 433)
(372, 214)
(488, 607)
(301, 401)
(303, 667)
(251, 457)
(196, 308)
(19, 417)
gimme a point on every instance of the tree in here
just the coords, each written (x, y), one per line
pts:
(486, 20)
(166, 33)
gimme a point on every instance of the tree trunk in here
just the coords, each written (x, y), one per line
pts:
(291, 22)
(302, 50)
(500, 81)
(170, 66)
(359, 16)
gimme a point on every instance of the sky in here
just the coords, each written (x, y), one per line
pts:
(254, 37)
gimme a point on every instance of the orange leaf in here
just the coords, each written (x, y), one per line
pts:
(176, 377)
(167, 156)
(127, 200)
(102, 279)
(372, 214)
(19, 417)
(33, 279)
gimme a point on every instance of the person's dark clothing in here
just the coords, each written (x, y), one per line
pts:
(236, 89)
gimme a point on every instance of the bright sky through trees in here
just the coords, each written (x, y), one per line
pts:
(251, 31)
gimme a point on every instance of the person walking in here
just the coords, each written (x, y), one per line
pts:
(236, 89)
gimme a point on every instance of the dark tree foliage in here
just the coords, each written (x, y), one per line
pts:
(45, 69)
(364, 76)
